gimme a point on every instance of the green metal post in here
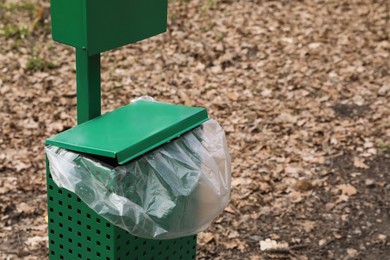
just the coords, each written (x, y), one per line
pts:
(88, 85)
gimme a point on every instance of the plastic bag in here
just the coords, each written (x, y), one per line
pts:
(173, 191)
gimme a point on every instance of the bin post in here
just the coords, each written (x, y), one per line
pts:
(88, 85)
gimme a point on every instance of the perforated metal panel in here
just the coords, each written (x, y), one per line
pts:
(77, 232)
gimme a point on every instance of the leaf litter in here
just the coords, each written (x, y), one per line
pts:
(300, 87)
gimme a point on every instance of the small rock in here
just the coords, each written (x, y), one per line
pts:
(337, 235)
(383, 90)
(382, 237)
(272, 244)
(352, 252)
(322, 242)
(314, 45)
(370, 183)
(358, 100)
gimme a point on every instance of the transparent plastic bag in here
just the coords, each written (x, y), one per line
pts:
(173, 191)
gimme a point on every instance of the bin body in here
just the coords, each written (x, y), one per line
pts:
(100, 25)
(75, 230)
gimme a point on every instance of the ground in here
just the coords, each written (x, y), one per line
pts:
(302, 89)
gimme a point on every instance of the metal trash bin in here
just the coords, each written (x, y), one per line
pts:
(117, 138)
(76, 231)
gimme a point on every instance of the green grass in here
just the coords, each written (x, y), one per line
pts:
(385, 147)
(38, 64)
(11, 18)
(29, 7)
(13, 31)
(208, 4)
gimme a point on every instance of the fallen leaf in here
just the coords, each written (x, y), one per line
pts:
(347, 189)
(33, 242)
(233, 234)
(342, 198)
(232, 96)
(206, 237)
(241, 181)
(230, 244)
(264, 187)
(286, 118)
(25, 208)
(359, 163)
(329, 206)
(187, 100)
(308, 226)
(230, 210)
(19, 166)
(296, 196)
(302, 185)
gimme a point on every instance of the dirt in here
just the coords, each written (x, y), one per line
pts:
(301, 88)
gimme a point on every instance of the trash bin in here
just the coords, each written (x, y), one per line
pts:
(92, 169)
(136, 183)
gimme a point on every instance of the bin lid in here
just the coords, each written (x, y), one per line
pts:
(130, 131)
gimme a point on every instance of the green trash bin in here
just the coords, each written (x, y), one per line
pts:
(76, 231)
(102, 148)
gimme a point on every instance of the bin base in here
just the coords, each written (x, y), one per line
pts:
(77, 232)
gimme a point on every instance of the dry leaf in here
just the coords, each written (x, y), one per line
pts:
(359, 163)
(232, 96)
(296, 196)
(25, 208)
(286, 118)
(297, 92)
(187, 100)
(302, 185)
(233, 234)
(264, 187)
(342, 198)
(206, 237)
(230, 244)
(19, 166)
(33, 242)
(230, 210)
(241, 181)
(308, 225)
(347, 189)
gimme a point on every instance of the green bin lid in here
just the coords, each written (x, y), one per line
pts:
(130, 131)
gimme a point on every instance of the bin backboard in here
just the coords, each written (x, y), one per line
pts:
(100, 25)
